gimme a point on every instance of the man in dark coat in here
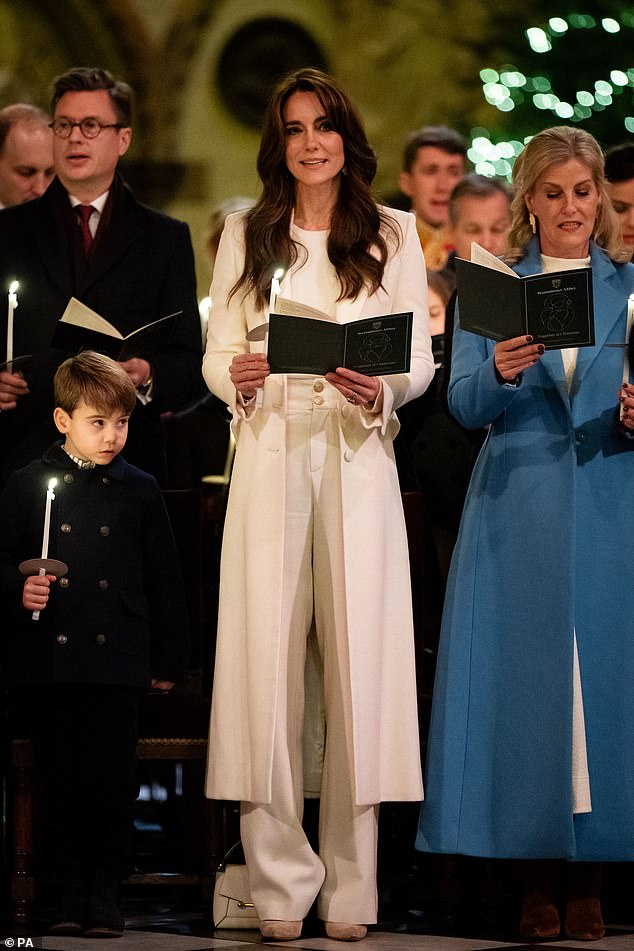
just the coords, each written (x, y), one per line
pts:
(130, 263)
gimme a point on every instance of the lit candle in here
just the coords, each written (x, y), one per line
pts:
(626, 354)
(275, 292)
(13, 303)
(50, 495)
(275, 288)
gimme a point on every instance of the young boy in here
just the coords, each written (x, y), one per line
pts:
(109, 629)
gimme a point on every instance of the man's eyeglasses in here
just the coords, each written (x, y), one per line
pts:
(90, 128)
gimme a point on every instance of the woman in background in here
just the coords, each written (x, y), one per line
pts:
(315, 548)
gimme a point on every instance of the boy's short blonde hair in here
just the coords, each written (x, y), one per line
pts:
(96, 381)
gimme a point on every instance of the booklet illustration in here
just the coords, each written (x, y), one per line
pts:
(308, 341)
(556, 308)
(81, 328)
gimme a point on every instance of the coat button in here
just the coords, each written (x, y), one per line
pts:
(100, 639)
(105, 480)
(64, 582)
(103, 584)
(581, 435)
(318, 386)
(345, 411)
(318, 400)
(69, 477)
(61, 638)
(348, 455)
(104, 530)
(65, 528)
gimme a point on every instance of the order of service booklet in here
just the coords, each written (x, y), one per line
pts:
(556, 308)
(81, 328)
(302, 339)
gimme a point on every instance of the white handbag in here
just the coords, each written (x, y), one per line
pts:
(232, 906)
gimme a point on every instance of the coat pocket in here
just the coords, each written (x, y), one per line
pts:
(135, 630)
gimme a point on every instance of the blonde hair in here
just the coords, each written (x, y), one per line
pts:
(96, 381)
(555, 147)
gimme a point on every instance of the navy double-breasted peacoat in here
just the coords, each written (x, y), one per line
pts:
(118, 617)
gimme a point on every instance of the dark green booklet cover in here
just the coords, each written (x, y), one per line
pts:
(555, 308)
(373, 346)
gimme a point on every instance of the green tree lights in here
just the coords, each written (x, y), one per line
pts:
(576, 68)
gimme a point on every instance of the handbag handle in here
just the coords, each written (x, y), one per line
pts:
(236, 847)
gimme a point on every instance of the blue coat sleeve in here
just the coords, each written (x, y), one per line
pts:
(476, 397)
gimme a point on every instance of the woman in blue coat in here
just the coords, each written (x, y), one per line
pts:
(531, 751)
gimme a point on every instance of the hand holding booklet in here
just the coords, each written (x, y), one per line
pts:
(81, 328)
(555, 308)
(302, 339)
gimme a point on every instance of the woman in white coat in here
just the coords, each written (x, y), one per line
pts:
(314, 548)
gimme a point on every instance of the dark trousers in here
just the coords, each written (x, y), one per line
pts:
(85, 741)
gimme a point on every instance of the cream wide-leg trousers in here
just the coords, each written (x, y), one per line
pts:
(285, 874)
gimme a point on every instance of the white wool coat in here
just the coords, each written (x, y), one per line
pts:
(384, 725)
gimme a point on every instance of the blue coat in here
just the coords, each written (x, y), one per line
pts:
(546, 546)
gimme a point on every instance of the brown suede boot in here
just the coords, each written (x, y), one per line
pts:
(540, 917)
(584, 920)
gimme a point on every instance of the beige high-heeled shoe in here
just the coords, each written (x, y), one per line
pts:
(279, 930)
(341, 931)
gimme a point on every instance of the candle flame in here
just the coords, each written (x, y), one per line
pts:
(51, 484)
(13, 287)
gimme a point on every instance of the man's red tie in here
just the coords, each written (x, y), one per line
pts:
(84, 212)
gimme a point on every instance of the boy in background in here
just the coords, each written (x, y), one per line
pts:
(112, 627)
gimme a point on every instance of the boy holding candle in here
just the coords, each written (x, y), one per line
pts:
(110, 628)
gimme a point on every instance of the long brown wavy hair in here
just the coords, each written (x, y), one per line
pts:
(357, 223)
(555, 146)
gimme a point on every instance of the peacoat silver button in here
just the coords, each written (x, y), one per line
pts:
(103, 584)
(69, 477)
(105, 480)
(61, 638)
(318, 386)
(64, 582)
(65, 527)
(104, 530)
(100, 639)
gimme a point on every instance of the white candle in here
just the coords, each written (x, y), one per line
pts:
(13, 303)
(50, 495)
(275, 289)
(275, 292)
(626, 353)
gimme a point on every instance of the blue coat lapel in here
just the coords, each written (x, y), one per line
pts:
(610, 306)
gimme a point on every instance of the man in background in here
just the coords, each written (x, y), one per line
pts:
(88, 237)
(26, 154)
(433, 163)
(479, 210)
(619, 171)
